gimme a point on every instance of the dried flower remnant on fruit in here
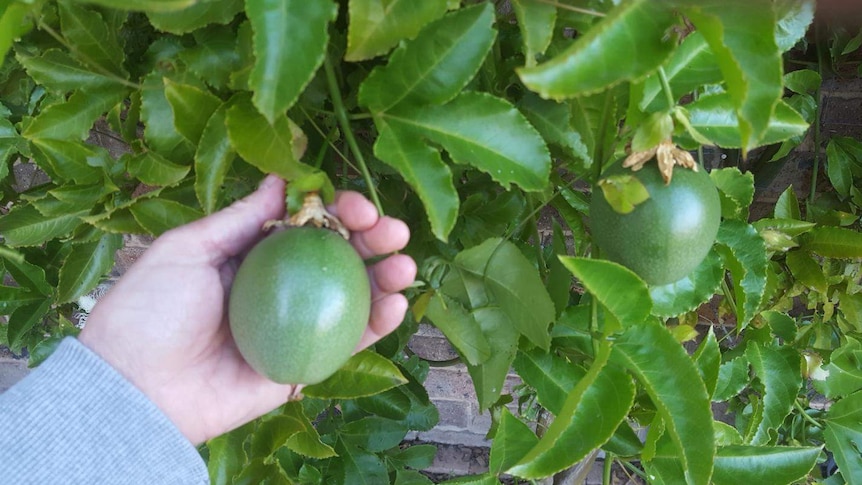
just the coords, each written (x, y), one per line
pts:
(667, 155)
(312, 212)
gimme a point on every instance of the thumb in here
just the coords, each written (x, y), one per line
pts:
(231, 230)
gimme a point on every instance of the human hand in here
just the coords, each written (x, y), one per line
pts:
(164, 324)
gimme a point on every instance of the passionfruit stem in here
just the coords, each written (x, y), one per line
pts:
(312, 212)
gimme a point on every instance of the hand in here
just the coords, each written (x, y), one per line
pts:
(164, 324)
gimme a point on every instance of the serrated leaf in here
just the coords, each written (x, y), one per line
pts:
(744, 254)
(146, 5)
(13, 24)
(551, 376)
(23, 319)
(707, 358)
(365, 374)
(502, 335)
(307, 441)
(25, 274)
(767, 465)
(423, 169)
(736, 191)
(272, 148)
(616, 287)
(778, 370)
(714, 117)
(358, 467)
(486, 479)
(844, 371)
(691, 291)
(157, 115)
(435, 66)
(85, 265)
(90, 39)
(553, 122)
(373, 433)
(512, 441)
(591, 413)
(803, 81)
(732, 379)
(411, 477)
(213, 159)
(536, 21)
(787, 206)
(259, 471)
(153, 169)
(623, 192)
(12, 297)
(215, 57)
(637, 31)
(227, 455)
(794, 17)
(833, 242)
(192, 108)
(841, 160)
(843, 435)
(160, 215)
(196, 16)
(691, 66)
(378, 25)
(674, 385)
(290, 38)
(512, 153)
(515, 285)
(73, 119)
(66, 160)
(60, 73)
(808, 271)
(459, 327)
(392, 404)
(25, 226)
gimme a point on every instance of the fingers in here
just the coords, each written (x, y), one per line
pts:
(391, 275)
(386, 314)
(371, 235)
(229, 231)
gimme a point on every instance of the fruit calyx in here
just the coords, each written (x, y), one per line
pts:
(312, 212)
(667, 155)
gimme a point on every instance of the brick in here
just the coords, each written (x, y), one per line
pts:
(450, 383)
(124, 259)
(454, 414)
(137, 240)
(432, 348)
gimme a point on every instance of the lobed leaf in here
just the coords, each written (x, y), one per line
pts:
(778, 370)
(736, 191)
(843, 435)
(378, 25)
(843, 372)
(636, 31)
(290, 38)
(744, 254)
(691, 291)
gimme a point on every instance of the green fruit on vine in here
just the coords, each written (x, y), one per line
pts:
(299, 305)
(665, 237)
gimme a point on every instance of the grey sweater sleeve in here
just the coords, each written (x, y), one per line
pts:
(75, 419)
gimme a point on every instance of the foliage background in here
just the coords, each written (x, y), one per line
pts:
(469, 119)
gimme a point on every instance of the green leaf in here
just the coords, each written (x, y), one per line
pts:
(272, 433)
(260, 471)
(741, 35)
(290, 38)
(807, 270)
(196, 16)
(515, 285)
(13, 24)
(435, 66)
(794, 18)
(378, 25)
(691, 291)
(146, 5)
(23, 319)
(803, 81)
(26, 275)
(10, 143)
(623, 192)
(411, 477)
(787, 206)
(843, 435)
(12, 297)
(192, 108)
(215, 56)
(605, 391)
(392, 404)
(486, 479)
(844, 372)
(415, 456)
(373, 433)
(744, 254)
(616, 287)
(736, 191)
(227, 455)
(365, 374)
(60, 73)
(502, 335)
(213, 159)
(423, 169)
(841, 161)
(358, 467)
(553, 122)
(536, 21)
(511, 153)
(674, 385)
(732, 379)
(70, 160)
(551, 376)
(636, 31)
(154, 169)
(778, 370)
(512, 441)
(691, 66)
(714, 117)
(85, 265)
(781, 324)
(90, 39)
(160, 134)
(74, 118)
(160, 215)
(306, 442)
(272, 148)
(707, 358)
(25, 226)
(833, 242)
(767, 465)
(459, 327)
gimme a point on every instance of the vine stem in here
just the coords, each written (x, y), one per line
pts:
(817, 112)
(571, 8)
(606, 469)
(665, 86)
(341, 115)
(805, 415)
